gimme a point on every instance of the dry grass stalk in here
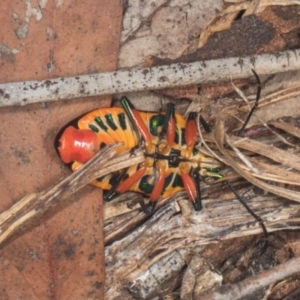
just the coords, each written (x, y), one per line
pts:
(275, 154)
(272, 98)
(31, 206)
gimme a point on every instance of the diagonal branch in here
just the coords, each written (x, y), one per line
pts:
(20, 215)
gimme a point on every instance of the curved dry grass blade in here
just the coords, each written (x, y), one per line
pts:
(286, 127)
(271, 172)
(283, 94)
(280, 156)
(219, 137)
(245, 160)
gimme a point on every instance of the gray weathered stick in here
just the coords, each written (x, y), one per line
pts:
(168, 76)
(252, 284)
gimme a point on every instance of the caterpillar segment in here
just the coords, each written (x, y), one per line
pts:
(172, 161)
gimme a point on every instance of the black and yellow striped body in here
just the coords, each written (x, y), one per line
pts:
(112, 126)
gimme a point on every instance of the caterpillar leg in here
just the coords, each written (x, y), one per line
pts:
(197, 203)
(191, 180)
(192, 187)
(191, 133)
(149, 208)
(125, 185)
(169, 126)
(112, 193)
(157, 190)
(138, 125)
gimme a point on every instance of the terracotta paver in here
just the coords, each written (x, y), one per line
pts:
(61, 255)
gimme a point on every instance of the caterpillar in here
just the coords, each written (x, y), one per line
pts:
(172, 161)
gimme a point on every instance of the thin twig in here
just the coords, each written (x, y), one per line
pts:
(168, 76)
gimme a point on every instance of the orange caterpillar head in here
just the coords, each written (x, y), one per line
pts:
(78, 145)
